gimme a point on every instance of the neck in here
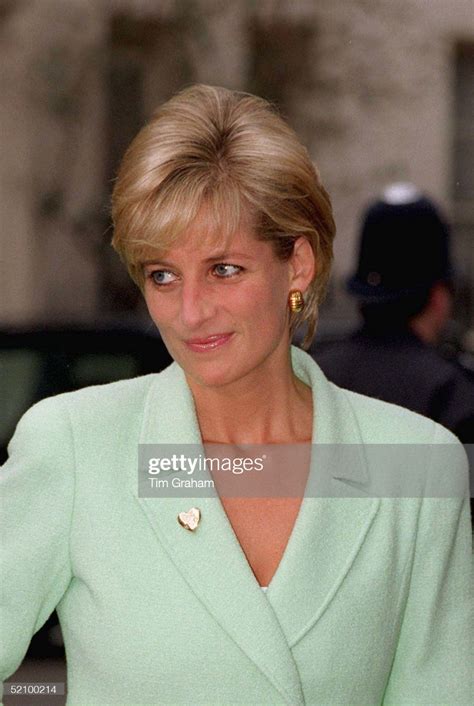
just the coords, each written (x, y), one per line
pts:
(254, 411)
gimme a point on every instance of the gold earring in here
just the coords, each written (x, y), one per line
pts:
(296, 301)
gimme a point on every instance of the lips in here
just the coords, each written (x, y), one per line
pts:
(208, 343)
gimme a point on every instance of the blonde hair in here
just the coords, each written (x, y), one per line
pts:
(233, 153)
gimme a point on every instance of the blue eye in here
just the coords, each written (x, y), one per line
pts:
(158, 277)
(163, 278)
(224, 270)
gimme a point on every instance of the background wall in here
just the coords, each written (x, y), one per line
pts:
(378, 90)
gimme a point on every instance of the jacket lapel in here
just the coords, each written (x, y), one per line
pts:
(336, 513)
(211, 559)
(323, 544)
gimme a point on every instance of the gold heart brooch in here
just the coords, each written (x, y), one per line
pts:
(190, 519)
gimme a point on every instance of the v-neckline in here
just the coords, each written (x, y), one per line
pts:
(295, 529)
(248, 549)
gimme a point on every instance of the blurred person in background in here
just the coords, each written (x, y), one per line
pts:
(226, 227)
(404, 284)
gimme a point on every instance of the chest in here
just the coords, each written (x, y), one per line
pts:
(263, 527)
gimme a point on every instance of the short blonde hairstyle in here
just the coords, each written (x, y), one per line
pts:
(233, 153)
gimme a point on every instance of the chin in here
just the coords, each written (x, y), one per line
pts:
(212, 375)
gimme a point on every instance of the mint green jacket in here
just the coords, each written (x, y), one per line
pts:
(372, 603)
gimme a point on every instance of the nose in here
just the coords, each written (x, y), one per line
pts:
(197, 304)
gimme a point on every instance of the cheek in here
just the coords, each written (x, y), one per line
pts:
(160, 306)
(265, 304)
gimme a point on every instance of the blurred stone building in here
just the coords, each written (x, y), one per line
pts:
(378, 90)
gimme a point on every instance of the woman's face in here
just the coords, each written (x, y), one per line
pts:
(223, 315)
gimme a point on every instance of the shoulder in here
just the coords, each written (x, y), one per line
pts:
(400, 440)
(412, 441)
(385, 422)
(96, 399)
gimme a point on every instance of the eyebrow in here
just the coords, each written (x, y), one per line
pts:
(214, 258)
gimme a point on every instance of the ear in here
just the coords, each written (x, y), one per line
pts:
(302, 265)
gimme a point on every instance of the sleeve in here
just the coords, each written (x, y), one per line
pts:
(36, 500)
(433, 663)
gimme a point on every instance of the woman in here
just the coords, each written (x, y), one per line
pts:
(224, 224)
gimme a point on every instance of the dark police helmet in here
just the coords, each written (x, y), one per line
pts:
(404, 248)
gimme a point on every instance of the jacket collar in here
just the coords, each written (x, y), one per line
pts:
(327, 534)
